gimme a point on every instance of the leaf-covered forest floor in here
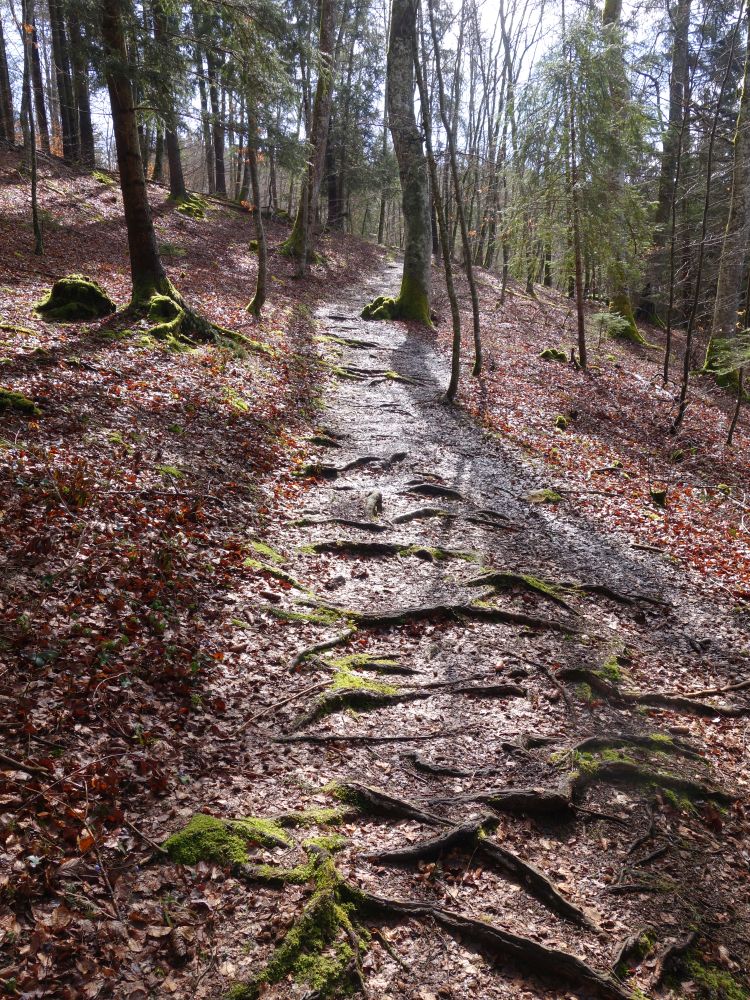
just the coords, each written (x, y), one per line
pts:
(177, 531)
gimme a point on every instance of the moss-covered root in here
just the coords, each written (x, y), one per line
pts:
(323, 948)
(73, 299)
(175, 322)
(223, 841)
(411, 304)
(16, 402)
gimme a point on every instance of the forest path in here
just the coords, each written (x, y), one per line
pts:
(495, 694)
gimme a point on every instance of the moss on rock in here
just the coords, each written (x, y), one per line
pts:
(191, 205)
(75, 298)
(554, 354)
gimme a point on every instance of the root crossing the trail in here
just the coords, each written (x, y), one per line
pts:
(475, 707)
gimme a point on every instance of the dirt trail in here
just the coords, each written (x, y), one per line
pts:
(504, 709)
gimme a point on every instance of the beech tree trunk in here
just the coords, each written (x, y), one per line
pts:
(414, 298)
(147, 272)
(300, 241)
(42, 123)
(730, 313)
(252, 160)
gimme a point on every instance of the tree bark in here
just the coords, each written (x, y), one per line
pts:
(7, 122)
(477, 369)
(27, 117)
(217, 125)
(148, 275)
(730, 313)
(81, 91)
(176, 178)
(36, 78)
(300, 241)
(61, 58)
(413, 302)
(252, 159)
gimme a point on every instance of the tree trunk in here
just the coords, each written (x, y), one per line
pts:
(81, 92)
(300, 241)
(252, 159)
(148, 275)
(27, 117)
(208, 149)
(217, 124)
(36, 78)
(7, 123)
(730, 312)
(459, 196)
(413, 301)
(677, 92)
(442, 226)
(61, 58)
(176, 178)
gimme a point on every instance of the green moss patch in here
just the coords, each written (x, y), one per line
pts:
(223, 841)
(544, 496)
(16, 402)
(554, 354)
(75, 298)
(345, 680)
(191, 205)
(710, 981)
(267, 552)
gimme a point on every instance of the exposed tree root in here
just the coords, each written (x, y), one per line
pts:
(376, 802)
(345, 546)
(548, 963)
(504, 580)
(602, 590)
(473, 838)
(374, 504)
(344, 522)
(322, 739)
(656, 744)
(473, 610)
(358, 699)
(675, 703)
(445, 770)
(320, 647)
(519, 801)
(364, 699)
(433, 490)
(423, 514)
(627, 772)
(378, 374)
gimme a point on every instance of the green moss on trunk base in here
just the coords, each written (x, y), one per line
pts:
(620, 305)
(191, 205)
(715, 362)
(412, 304)
(73, 299)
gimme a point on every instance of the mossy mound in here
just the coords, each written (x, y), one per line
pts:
(544, 496)
(73, 299)
(18, 403)
(554, 354)
(223, 841)
(192, 205)
(253, 246)
(103, 178)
